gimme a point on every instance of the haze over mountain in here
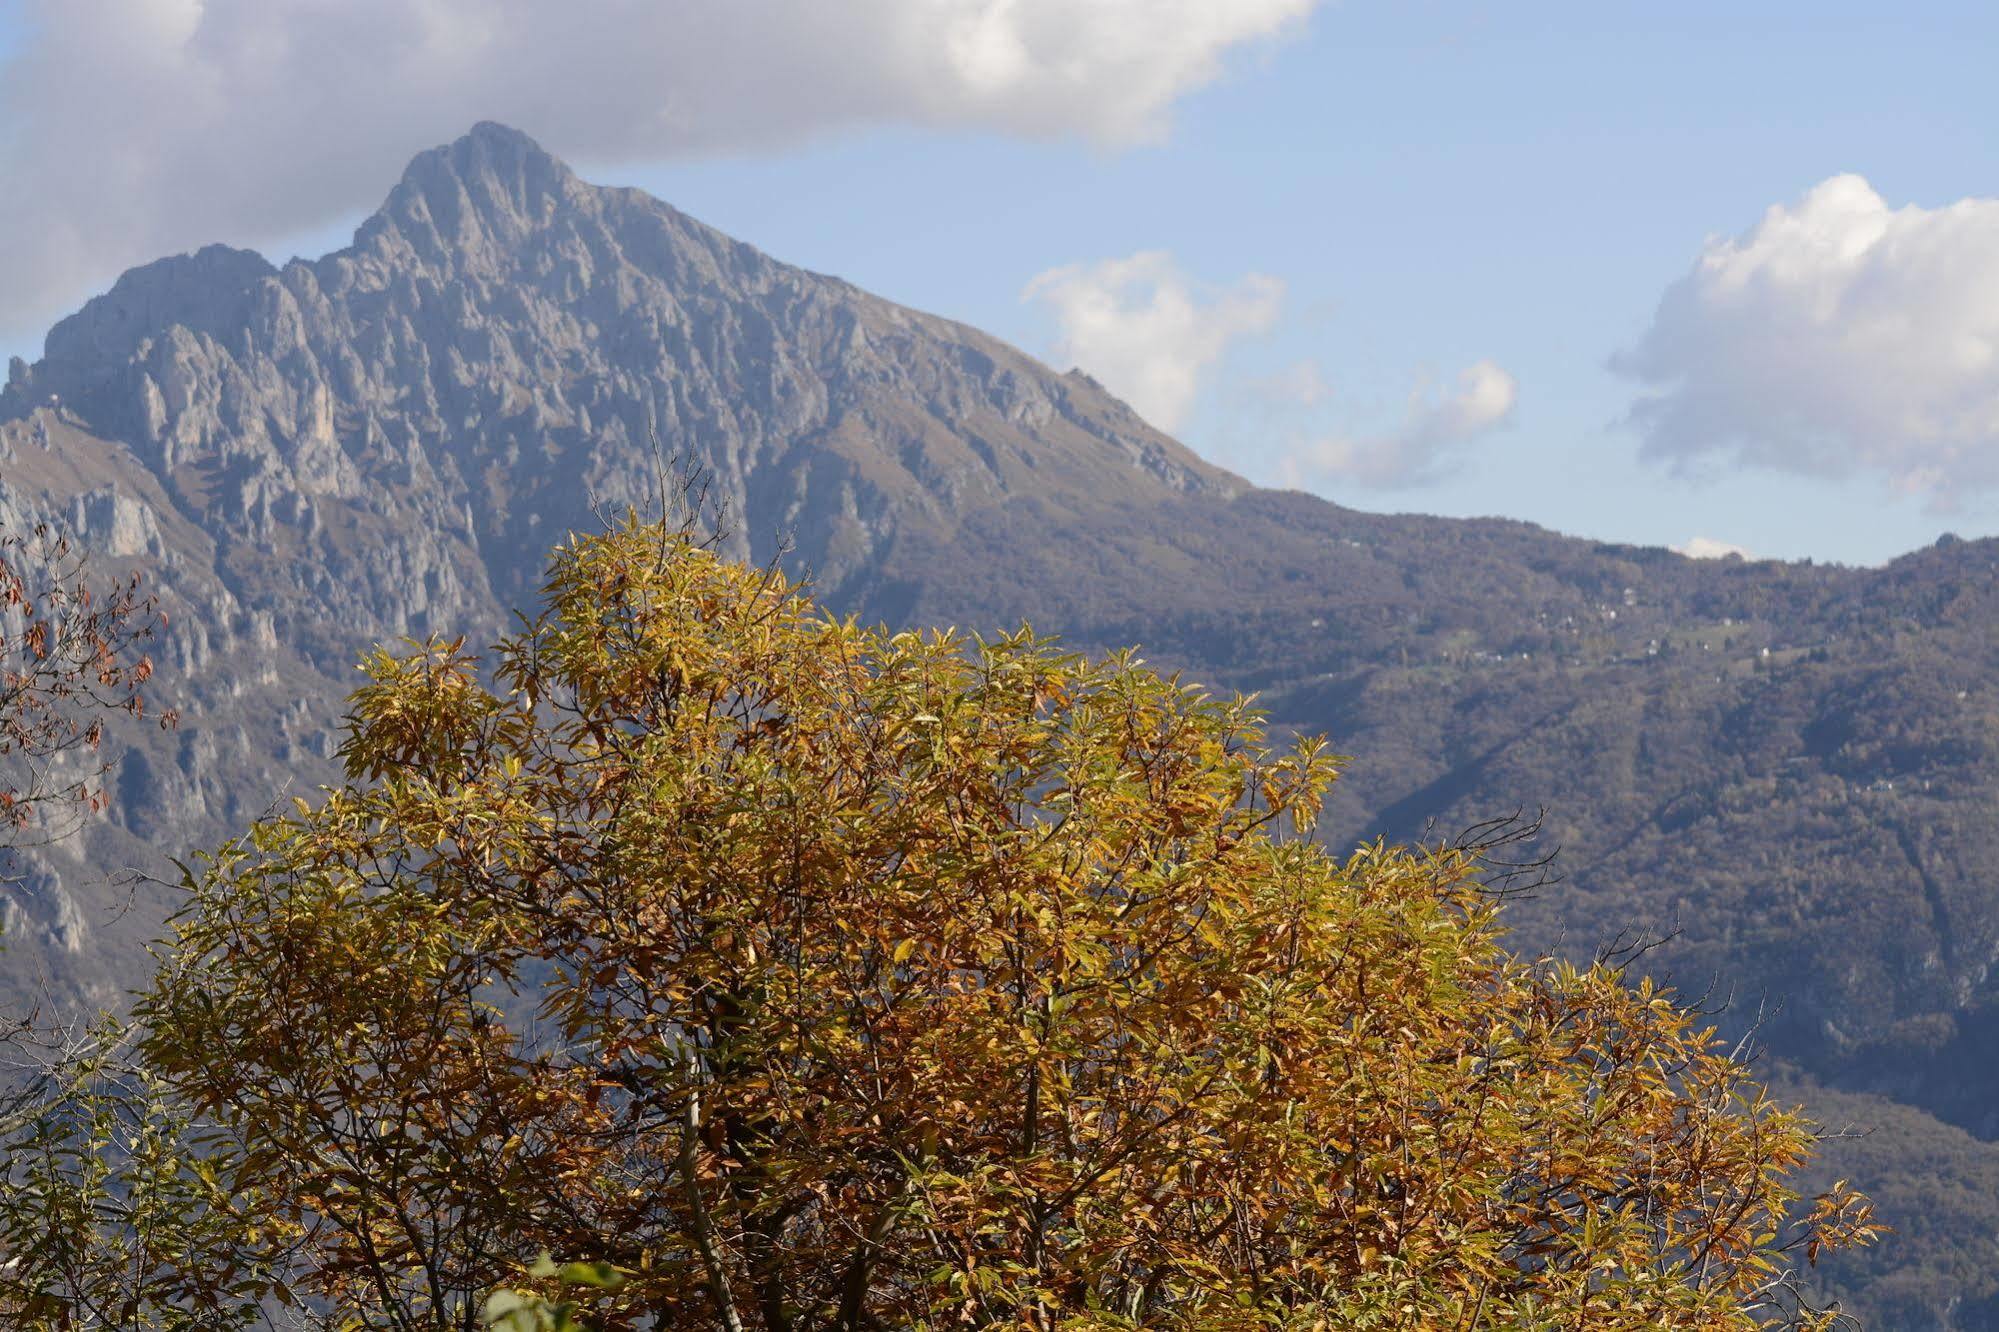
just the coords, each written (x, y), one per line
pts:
(1795, 765)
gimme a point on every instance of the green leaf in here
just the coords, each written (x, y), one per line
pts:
(602, 1276)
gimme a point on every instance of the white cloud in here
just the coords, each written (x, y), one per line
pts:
(1144, 329)
(138, 127)
(1707, 548)
(1434, 428)
(1837, 336)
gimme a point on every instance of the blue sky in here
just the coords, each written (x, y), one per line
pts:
(1436, 187)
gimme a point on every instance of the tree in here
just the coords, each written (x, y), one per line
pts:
(70, 655)
(78, 1128)
(819, 977)
(112, 1210)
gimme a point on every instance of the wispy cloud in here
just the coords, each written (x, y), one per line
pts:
(1436, 426)
(1149, 332)
(137, 127)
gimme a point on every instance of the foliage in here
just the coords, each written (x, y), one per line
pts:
(822, 977)
(82, 1240)
(69, 655)
(113, 1213)
(1937, 1187)
(511, 1310)
(1810, 828)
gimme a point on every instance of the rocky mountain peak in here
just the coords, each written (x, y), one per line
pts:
(496, 357)
(205, 292)
(487, 191)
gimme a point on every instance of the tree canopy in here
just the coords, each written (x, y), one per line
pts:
(810, 976)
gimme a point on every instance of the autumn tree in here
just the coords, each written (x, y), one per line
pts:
(817, 977)
(71, 658)
(71, 655)
(78, 1125)
(113, 1212)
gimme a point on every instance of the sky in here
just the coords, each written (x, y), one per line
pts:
(1710, 276)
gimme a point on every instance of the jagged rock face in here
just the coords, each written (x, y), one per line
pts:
(308, 460)
(392, 436)
(387, 441)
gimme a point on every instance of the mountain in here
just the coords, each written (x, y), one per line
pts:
(1793, 766)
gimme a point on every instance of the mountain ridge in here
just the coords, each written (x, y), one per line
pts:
(1792, 760)
(230, 369)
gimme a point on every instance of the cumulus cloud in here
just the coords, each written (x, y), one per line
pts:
(1838, 335)
(1707, 548)
(139, 127)
(1435, 427)
(1148, 332)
